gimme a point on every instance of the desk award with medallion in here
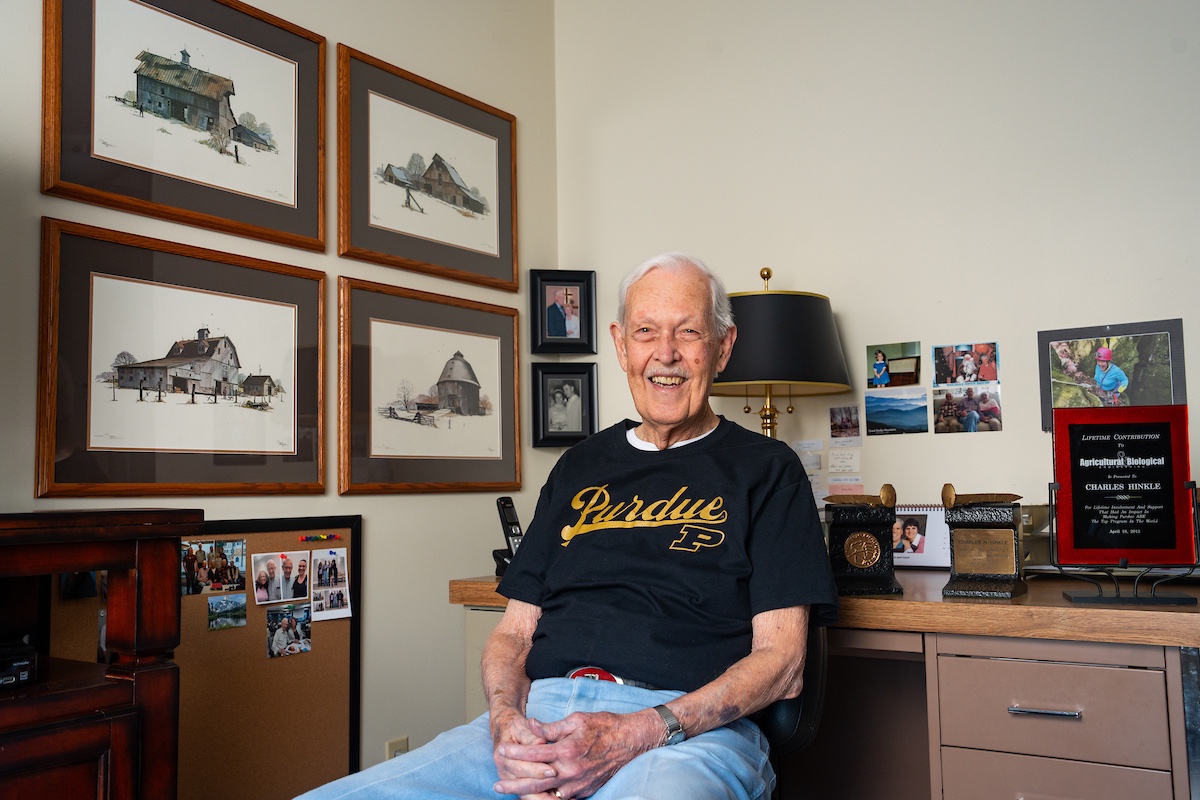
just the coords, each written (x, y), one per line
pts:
(860, 542)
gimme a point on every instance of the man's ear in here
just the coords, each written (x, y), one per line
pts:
(726, 348)
(618, 337)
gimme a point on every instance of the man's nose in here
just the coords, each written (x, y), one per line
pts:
(666, 349)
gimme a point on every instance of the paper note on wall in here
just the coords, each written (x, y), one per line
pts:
(845, 460)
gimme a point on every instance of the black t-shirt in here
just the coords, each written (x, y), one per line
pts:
(652, 564)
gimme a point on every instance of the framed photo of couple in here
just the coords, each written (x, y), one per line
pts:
(562, 311)
(564, 404)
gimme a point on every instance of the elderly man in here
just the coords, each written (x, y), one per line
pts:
(677, 561)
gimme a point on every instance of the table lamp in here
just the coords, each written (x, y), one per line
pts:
(785, 339)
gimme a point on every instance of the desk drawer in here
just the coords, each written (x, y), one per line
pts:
(1122, 712)
(981, 775)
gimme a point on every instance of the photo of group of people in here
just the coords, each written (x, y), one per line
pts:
(967, 388)
(212, 566)
(289, 630)
(331, 595)
(280, 576)
(966, 363)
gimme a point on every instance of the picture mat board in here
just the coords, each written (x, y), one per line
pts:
(71, 253)
(72, 172)
(360, 76)
(262, 333)
(361, 302)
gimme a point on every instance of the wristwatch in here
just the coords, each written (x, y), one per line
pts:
(675, 733)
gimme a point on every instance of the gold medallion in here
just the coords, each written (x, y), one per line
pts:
(862, 550)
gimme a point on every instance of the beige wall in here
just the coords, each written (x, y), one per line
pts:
(943, 171)
(502, 54)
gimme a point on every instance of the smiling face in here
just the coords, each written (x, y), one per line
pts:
(670, 353)
(897, 532)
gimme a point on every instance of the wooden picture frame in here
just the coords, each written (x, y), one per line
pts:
(427, 177)
(1067, 363)
(136, 141)
(1122, 494)
(562, 423)
(427, 392)
(140, 320)
(562, 311)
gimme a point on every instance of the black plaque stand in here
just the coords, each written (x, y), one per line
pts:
(1004, 580)
(860, 549)
(1152, 572)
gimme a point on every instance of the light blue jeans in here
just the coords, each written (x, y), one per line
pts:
(723, 764)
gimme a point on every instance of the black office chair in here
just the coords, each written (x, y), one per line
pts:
(791, 725)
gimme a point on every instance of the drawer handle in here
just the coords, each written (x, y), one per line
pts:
(1045, 712)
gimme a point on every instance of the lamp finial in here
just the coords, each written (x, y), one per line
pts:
(765, 273)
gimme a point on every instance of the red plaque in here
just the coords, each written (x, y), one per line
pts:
(1122, 494)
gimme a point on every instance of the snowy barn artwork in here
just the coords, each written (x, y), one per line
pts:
(435, 393)
(226, 386)
(433, 178)
(175, 98)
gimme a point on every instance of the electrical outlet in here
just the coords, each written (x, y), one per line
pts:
(394, 747)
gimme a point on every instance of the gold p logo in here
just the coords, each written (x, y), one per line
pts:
(693, 537)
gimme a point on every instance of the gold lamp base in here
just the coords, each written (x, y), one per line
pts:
(769, 415)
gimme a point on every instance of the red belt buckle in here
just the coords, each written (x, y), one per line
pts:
(595, 673)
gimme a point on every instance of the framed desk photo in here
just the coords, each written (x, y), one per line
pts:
(427, 392)
(166, 369)
(1122, 494)
(205, 112)
(564, 404)
(562, 311)
(427, 177)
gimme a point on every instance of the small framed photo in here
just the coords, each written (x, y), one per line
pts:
(1134, 364)
(173, 370)
(562, 311)
(428, 392)
(209, 113)
(1122, 494)
(564, 404)
(427, 177)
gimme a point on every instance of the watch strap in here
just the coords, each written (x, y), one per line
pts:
(675, 732)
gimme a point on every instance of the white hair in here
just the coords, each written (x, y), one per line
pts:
(720, 311)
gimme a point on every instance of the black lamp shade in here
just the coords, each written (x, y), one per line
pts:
(784, 338)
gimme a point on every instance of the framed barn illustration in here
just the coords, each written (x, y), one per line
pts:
(427, 392)
(427, 176)
(206, 112)
(167, 369)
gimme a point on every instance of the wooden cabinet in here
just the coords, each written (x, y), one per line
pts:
(85, 730)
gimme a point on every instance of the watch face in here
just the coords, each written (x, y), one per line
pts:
(862, 550)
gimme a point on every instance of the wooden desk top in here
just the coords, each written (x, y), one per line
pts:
(1041, 613)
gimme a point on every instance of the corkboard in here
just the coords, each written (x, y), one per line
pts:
(249, 725)
(269, 727)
